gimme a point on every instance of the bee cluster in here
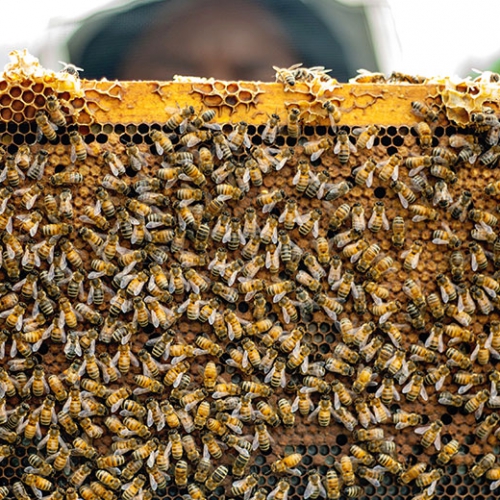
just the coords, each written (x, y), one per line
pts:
(270, 310)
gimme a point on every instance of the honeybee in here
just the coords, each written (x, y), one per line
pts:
(385, 310)
(378, 218)
(411, 257)
(366, 136)
(482, 466)
(45, 127)
(216, 478)
(416, 388)
(484, 429)
(442, 196)
(364, 173)
(267, 200)
(424, 133)
(11, 172)
(37, 168)
(315, 149)
(335, 191)
(271, 129)
(389, 169)
(114, 184)
(446, 237)
(405, 194)
(363, 379)
(161, 141)
(380, 268)
(483, 217)
(486, 307)
(476, 403)
(413, 291)
(114, 163)
(431, 434)
(239, 137)
(133, 489)
(293, 126)
(23, 157)
(78, 146)
(136, 158)
(448, 451)
(423, 110)
(344, 147)
(412, 473)
(390, 463)
(280, 492)
(448, 291)
(287, 464)
(478, 257)
(52, 440)
(303, 176)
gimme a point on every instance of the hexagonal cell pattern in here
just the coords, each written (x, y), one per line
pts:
(278, 301)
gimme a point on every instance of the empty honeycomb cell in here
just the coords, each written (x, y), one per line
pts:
(101, 138)
(474, 489)
(470, 439)
(131, 129)
(386, 141)
(95, 128)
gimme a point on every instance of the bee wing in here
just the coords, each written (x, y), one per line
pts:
(437, 441)
(439, 383)
(385, 222)
(444, 294)
(401, 425)
(403, 200)
(422, 430)
(310, 489)
(384, 317)
(473, 258)
(475, 352)
(294, 472)
(478, 412)
(317, 154)
(419, 218)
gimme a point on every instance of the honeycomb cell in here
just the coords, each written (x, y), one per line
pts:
(6, 114)
(5, 100)
(386, 141)
(245, 96)
(29, 112)
(40, 101)
(15, 92)
(215, 100)
(28, 96)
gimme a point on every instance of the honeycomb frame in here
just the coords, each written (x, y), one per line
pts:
(111, 116)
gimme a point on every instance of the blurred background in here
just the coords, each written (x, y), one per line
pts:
(242, 39)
